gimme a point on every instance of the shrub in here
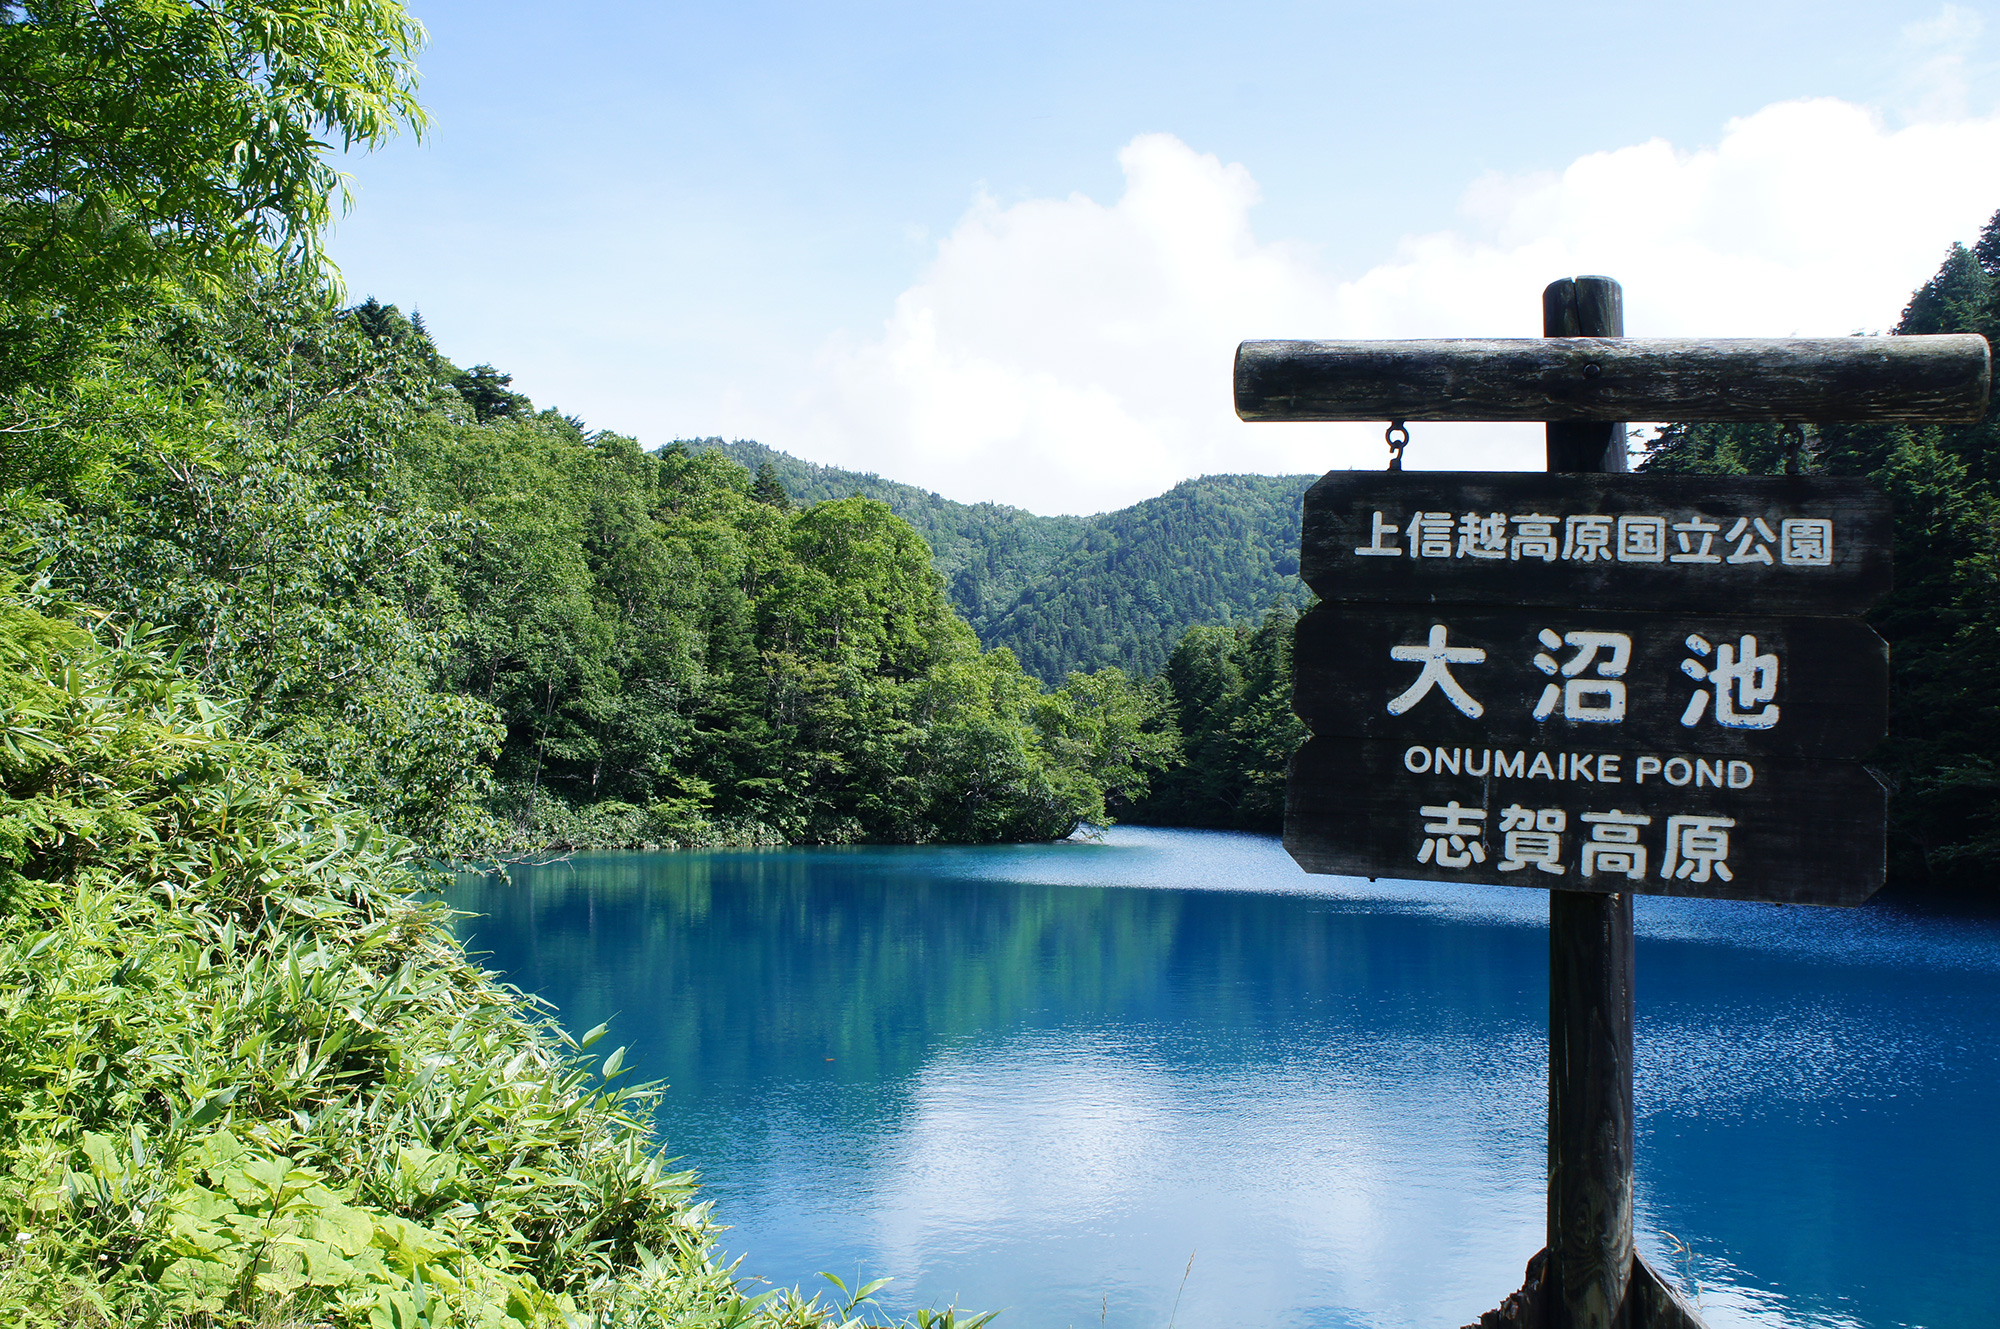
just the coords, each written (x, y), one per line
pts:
(247, 1075)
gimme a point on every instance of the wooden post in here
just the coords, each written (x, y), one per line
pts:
(1585, 307)
(1590, 969)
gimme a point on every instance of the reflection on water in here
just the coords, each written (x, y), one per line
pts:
(1045, 1077)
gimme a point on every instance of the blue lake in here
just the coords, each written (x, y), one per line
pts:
(1168, 1076)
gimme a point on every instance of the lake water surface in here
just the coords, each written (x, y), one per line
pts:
(1168, 1076)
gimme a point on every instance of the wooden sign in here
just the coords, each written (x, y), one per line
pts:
(1597, 683)
(1716, 684)
(1584, 650)
(1588, 817)
(1774, 545)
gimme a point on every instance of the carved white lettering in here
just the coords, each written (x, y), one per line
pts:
(1437, 658)
(1802, 542)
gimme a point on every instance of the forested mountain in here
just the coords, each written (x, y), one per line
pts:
(1218, 550)
(987, 553)
(1069, 593)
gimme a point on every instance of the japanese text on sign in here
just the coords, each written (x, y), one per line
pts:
(1797, 542)
(1740, 679)
(1608, 843)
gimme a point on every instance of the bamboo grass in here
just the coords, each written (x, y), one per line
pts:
(249, 1078)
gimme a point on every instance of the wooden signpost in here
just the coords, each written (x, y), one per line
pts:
(1597, 683)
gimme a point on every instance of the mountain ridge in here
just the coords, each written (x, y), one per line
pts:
(1081, 593)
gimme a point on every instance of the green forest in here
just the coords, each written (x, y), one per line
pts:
(1211, 652)
(290, 607)
(500, 631)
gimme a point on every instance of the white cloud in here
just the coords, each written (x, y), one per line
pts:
(1067, 355)
(1934, 61)
(1089, 1160)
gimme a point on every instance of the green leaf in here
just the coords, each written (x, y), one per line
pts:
(207, 1110)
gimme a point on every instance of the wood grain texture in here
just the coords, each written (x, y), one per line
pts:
(1585, 307)
(1590, 1108)
(1341, 509)
(1650, 1301)
(1806, 832)
(1590, 963)
(1817, 379)
(1831, 695)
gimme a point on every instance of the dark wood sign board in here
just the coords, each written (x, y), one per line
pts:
(1619, 779)
(1767, 545)
(1594, 667)
(1667, 685)
(1588, 818)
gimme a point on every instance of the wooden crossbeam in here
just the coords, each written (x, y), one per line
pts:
(1808, 379)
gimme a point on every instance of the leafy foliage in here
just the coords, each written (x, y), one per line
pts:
(272, 528)
(502, 633)
(247, 1076)
(661, 637)
(248, 1071)
(987, 553)
(1112, 736)
(485, 390)
(1231, 695)
(1942, 621)
(141, 137)
(154, 149)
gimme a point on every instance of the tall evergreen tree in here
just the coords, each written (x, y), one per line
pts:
(1230, 690)
(768, 488)
(485, 390)
(1942, 620)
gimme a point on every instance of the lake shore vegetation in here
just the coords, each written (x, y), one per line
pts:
(251, 1078)
(502, 632)
(283, 617)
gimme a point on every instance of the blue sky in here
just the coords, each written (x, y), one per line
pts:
(1003, 251)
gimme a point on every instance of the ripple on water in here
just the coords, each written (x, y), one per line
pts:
(1043, 1077)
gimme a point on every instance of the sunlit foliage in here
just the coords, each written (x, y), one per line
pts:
(249, 1074)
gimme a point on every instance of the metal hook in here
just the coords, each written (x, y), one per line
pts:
(1795, 442)
(1396, 444)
